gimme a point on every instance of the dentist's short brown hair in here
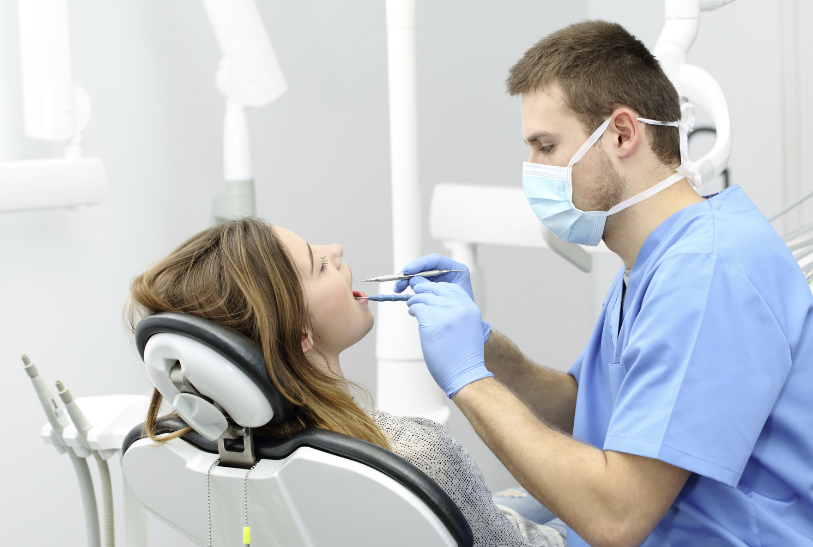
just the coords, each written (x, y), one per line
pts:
(600, 67)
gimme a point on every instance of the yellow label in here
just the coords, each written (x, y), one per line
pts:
(246, 535)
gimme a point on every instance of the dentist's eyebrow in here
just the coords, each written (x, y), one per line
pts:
(310, 252)
(536, 136)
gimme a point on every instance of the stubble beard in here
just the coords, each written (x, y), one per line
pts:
(610, 185)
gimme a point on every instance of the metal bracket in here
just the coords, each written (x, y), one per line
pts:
(228, 458)
(180, 381)
(245, 459)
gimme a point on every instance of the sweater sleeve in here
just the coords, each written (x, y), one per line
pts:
(429, 447)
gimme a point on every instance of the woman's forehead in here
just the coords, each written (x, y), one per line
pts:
(298, 248)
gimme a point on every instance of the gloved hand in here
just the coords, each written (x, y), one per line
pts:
(450, 326)
(439, 262)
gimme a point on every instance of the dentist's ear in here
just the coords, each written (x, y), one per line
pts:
(307, 342)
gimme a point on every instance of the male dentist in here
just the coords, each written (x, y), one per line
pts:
(688, 418)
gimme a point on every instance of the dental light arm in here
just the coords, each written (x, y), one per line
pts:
(692, 82)
(54, 110)
(248, 75)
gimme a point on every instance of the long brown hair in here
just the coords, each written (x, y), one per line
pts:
(240, 275)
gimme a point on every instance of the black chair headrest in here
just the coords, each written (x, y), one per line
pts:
(241, 351)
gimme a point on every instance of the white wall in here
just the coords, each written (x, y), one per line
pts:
(322, 168)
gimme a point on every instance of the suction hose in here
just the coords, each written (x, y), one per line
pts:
(80, 465)
(82, 426)
(107, 499)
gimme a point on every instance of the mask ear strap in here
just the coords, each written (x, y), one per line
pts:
(590, 142)
(688, 169)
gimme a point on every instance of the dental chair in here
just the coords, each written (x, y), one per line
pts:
(315, 488)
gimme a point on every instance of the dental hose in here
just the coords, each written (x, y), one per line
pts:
(80, 465)
(82, 427)
(59, 421)
(107, 501)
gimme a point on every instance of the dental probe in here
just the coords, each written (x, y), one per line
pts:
(399, 277)
(386, 297)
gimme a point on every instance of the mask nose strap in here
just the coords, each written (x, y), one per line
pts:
(688, 169)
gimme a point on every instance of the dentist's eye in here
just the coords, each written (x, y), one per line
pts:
(546, 149)
(324, 264)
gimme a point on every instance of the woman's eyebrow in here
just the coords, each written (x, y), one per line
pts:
(310, 252)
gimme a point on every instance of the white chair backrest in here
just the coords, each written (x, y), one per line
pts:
(310, 499)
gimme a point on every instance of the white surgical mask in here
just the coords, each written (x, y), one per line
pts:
(549, 188)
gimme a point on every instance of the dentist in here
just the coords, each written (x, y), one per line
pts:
(687, 418)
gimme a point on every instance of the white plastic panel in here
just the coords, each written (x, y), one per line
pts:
(312, 499)
(45, 184)
(45, 59)
(112, 418)
(210, 373)
(250, 73)
(495, 215)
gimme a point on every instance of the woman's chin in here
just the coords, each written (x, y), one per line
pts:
(362, 330)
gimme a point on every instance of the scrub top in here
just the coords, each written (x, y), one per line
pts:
(711, 370)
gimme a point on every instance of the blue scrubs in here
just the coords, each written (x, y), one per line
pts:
(712, 371)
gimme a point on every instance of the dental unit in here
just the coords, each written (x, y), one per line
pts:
(93, 426)
(59, 421)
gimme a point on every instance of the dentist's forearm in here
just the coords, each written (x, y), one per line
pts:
(550, 394)
(609, 498)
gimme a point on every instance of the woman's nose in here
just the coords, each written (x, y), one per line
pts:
(336, 251)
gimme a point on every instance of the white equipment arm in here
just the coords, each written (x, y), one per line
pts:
(248, 75)
(692, 82)
(54, 110)
(404, 385)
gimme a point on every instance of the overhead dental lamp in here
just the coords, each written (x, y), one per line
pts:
(55, 109)
(248, 75)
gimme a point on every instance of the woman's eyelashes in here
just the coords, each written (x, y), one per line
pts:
(324, 264)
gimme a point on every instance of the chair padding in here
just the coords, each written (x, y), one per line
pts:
(241, 351)
(344, 446)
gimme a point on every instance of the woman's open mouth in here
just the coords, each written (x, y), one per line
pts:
(359, 294)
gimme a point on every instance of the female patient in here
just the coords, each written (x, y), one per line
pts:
(296, 302)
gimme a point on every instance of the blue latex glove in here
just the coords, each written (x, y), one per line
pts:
(440, 262)
(450, 326)
(437, 262)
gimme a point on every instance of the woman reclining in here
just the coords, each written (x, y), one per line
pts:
(296, 302)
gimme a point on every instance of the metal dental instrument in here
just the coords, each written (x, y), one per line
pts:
(398, 277)
(386, 297)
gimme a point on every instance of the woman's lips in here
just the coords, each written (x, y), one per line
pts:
(359, 294)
